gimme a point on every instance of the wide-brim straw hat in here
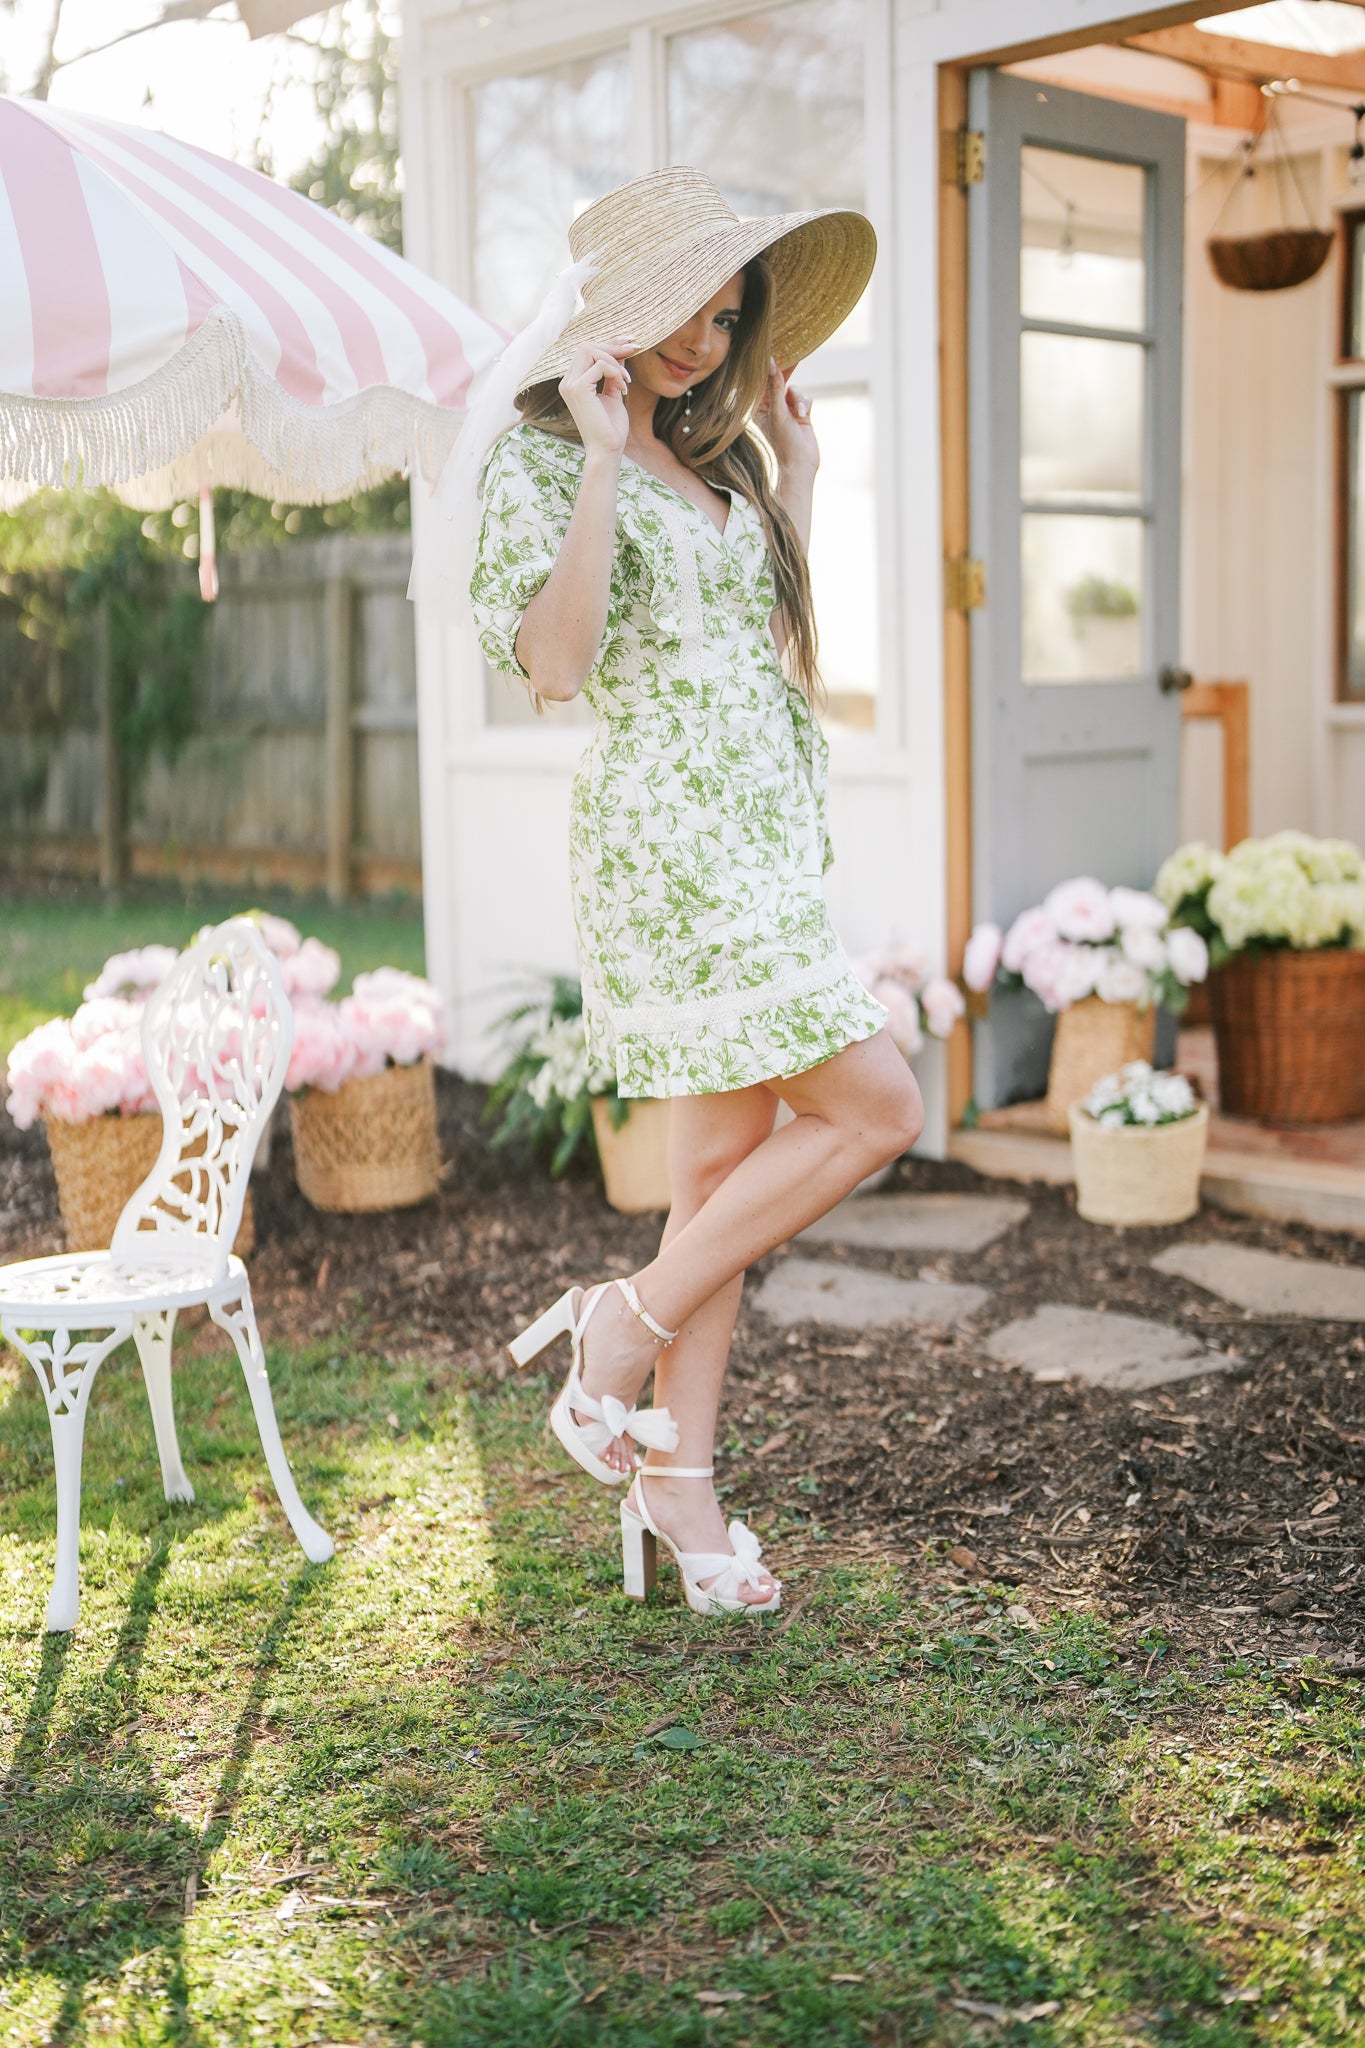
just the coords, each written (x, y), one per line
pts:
(664, 244)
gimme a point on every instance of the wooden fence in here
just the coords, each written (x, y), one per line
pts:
(301, 766)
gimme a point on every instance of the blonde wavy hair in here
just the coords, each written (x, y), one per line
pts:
(723, 449)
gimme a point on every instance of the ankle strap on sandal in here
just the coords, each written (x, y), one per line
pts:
(637, 1308)
(680, 1471)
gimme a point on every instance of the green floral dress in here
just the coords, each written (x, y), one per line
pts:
(697, 835)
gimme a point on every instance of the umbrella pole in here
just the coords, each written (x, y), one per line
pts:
(208, 550)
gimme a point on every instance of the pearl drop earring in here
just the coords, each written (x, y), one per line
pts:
(687, 412)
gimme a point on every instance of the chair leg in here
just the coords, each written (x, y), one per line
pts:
(153, 1335)
(66, 1371)
(239, 1321)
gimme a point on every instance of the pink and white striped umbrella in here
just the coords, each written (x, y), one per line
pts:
(170, 322)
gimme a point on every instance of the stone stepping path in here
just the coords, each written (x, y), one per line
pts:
(1268, 1283)
(819, 1291)
(917, 1223)
(1058, 1342)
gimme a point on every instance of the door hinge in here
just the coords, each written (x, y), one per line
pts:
(964, 581)
(964, 156)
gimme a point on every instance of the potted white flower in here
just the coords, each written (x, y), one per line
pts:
(1284, 920)
(1137, 1147)
(552, 1094)
(1101, 961)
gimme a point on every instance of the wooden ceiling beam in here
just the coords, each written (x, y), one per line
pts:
(1233, 57)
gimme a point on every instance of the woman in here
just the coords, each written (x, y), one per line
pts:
(634, 548)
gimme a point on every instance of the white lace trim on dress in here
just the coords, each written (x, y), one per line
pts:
(665, 1020)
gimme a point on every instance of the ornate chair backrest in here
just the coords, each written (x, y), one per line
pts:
(216, 1037)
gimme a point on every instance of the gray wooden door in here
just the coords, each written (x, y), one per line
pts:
(1074, 336)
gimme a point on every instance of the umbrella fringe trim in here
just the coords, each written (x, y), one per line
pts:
(147, 434)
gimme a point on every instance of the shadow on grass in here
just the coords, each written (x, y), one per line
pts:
(97, 1868)
(556, 1817)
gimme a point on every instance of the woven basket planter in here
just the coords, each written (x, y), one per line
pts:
(99, 1165)
(370, 1144)
(1094, 1038)
(635, 1157)
(1290, 1029)
(1274, 261)
(1136, 1175)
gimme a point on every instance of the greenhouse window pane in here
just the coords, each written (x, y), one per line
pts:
(1083, 232)
(771, 107)
(1082, 584)
(546, 144)
(1082, 405)
(843, 561)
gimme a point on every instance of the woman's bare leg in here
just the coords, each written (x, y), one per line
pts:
(853, 1113)
(708, 1137)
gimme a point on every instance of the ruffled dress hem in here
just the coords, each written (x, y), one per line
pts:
(735, 1041)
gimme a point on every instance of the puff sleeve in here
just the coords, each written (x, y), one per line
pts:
(530, 488)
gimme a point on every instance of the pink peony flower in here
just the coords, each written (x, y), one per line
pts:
(1122, 981)
(902, 1016)
(106, 1016)
(1081, 910)
(282, 937)
(1030, 929)
(905, 964)
(1136, 909)
(138, 972)
(943, 1003)
(868, 968)
(394, 1016)
(1061, 974)
(37, 1064)
(1187, 953)
(313, 970)
(324, 1053)
(982, 957)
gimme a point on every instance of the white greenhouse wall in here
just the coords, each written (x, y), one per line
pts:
(1256, 600)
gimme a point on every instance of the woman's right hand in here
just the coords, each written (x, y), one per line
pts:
(594, 389)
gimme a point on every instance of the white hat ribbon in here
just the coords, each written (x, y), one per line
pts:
(447, 537)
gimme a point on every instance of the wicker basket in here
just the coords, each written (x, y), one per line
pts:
(635, 1157)
(370, 1144)
(1273, 261)
(1290, 1030)
(1136, 1176)
(99, 1165)
(1094, 1038)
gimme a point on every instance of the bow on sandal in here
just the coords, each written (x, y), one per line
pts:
(609, 1418)
(727, 1570)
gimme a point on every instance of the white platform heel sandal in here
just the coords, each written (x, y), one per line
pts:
(728, 1571)
(610, 1418)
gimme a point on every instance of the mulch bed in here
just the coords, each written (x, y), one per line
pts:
(1222, 1512)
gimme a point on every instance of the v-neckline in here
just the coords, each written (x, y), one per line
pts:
(719, 531)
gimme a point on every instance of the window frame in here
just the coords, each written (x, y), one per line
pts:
(865, 368)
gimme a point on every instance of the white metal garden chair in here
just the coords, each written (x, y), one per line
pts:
(216, 1036)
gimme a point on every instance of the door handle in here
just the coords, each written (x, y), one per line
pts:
(1173, 680)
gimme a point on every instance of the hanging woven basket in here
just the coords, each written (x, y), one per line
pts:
(1271, 262)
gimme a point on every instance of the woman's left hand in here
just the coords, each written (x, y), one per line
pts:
(784, 417)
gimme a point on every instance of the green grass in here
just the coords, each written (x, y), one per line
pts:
(51, 946)
(453, 1788)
